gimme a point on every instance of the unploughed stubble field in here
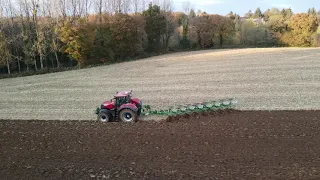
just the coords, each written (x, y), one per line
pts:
(260, 79)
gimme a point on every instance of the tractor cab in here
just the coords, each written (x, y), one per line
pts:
(122, 97)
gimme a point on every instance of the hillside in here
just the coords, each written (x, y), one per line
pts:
(274, 78)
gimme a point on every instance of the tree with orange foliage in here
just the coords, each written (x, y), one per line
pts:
(223, 27)
(125, 35)
(303, 26)
(78, 37)
(200, 31)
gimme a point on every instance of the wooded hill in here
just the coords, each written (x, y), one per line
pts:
(42, 36)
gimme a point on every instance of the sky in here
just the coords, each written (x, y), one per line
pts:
(241, 7)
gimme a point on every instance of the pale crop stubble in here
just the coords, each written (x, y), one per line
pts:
(260, 79)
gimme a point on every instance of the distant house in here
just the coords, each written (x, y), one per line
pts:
(259, 21)
(255, 20)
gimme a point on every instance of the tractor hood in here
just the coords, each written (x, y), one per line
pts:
(108, 104)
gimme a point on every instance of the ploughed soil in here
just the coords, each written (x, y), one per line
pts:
(222, 145)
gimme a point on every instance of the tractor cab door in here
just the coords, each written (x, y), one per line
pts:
(121, 100)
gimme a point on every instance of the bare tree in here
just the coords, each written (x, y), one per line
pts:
(55, 47)
(155, 2)
(46, 8)
(13, 36)
(136, 5)
(61, 8)
(76, 8)
(98, 7)
(119, 6)
(83, 8)
(6, 33)
(126, 6)
(1, 8)
(71, 7)
(29, 45)
(186, 6)
(166, 5)
(144, 5)
(139, 5)
(40, 39)
(5, 54)
(87, 6)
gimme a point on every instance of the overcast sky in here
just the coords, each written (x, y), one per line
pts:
(242, 6)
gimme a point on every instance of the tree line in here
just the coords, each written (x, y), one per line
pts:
(37, 35)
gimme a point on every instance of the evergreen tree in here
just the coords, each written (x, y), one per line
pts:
(289, 13)
(249, 14)
(266, 15)
(312, 11)
(192, 13)
(231, 15)
(155, 26)
(258, 13)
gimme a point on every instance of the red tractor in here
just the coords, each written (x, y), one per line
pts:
(123, 106)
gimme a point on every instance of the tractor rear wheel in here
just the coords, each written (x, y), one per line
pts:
(128, 116)
(103, 117)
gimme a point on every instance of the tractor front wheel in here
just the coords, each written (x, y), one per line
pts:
(103, 117)
(128, 116)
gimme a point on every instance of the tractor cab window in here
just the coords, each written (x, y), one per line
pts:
(122, 100)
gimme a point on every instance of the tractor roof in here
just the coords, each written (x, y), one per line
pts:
(123, 93)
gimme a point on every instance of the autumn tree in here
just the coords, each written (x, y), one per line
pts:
(142, 38)
(237, 29)
(278, 21)
(118, 36)
(5, 54)
(223, 27)
(124, 33)
(179, 17)
(246, 26)
(169, 30)
(181, 21)
(42, 33)
(78, 37)
(270, 12)
(303, 26)
(200, 31)
(316, 38)
(260, 35)
(266, 15)
(102, 50)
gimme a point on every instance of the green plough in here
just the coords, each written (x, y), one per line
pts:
(191, 108)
